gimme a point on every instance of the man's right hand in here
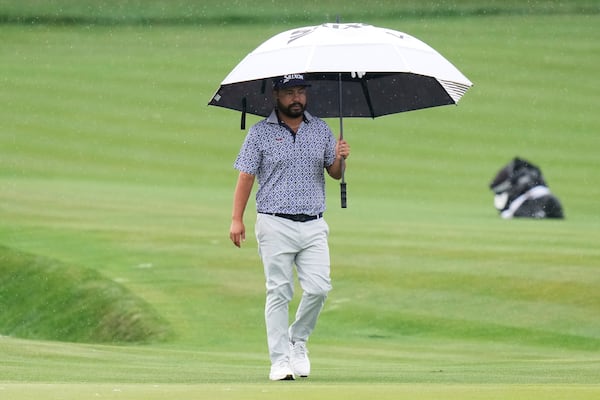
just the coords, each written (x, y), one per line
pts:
(237, 232)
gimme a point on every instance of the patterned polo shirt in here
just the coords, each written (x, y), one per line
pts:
(289, 168)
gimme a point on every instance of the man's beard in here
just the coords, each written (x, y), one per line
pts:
(294, 110)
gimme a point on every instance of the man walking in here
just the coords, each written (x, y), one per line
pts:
(288, 153)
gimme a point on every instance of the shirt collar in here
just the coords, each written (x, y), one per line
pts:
(273, 119)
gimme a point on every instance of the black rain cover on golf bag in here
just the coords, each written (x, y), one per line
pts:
(521, 191)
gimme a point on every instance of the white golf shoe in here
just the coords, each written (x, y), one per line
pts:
(299, 359)
(281, 371)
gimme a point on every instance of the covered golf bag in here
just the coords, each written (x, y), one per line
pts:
(521, 191)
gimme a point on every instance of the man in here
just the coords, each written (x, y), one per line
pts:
(288, 153)
(521, 192)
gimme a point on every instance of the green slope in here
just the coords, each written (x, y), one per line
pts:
(45, 299)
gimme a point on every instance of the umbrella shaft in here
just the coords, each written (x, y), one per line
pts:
(343, 183)
(340, 105)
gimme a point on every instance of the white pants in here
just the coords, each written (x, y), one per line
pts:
(281, 244)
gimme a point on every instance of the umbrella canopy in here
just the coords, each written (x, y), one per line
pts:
(382, 71)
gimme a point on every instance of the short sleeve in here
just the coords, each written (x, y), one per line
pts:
(330, 149)
(248, 159)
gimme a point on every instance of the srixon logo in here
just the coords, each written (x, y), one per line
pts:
(290, 77)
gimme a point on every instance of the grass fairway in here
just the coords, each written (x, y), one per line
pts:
(111, 160)
(312, 391)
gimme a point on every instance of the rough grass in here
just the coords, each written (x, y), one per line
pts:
(214, 12)
(45, 299)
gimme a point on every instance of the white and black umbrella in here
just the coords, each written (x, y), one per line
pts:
(355, 70)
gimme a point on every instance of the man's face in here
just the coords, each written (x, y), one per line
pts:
(291, 101)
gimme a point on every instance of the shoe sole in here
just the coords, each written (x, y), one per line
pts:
(288, 377)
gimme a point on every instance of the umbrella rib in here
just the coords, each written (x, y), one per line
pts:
(455, 90)
(309, 59)
(363, 84)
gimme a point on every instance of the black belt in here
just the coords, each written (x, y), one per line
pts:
(295, 217)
